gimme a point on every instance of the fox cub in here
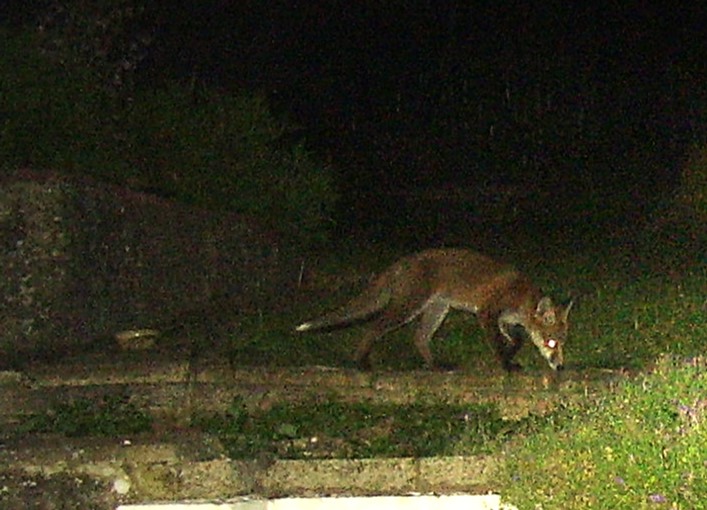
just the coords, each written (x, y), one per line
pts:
(508, 306)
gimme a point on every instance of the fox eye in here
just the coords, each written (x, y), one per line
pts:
(549, 318)
(551, 343)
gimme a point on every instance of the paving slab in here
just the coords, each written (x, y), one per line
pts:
(176, 463)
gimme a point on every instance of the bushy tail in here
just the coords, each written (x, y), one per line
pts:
(371, 301)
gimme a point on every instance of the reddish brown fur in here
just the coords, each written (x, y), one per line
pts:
(430, 283)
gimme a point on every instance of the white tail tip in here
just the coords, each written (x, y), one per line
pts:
(304, 326)
(132, 334)
(136, 339)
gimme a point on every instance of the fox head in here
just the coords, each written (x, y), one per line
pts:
(546, 326)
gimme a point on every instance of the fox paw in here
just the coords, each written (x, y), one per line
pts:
(444, 367)
(511, 366)
(364, 365)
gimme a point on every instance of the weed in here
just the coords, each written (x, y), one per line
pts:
(112, 415)
(327, 428)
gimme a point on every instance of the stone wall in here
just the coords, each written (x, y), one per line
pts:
(80, 259)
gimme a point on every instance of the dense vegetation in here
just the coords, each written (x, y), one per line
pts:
(223, 151)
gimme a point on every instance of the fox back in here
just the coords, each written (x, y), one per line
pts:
(426, 285)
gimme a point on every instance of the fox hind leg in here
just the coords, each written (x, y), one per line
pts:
(375, 330)
(363, 352)
(432, 317)
(389, 320)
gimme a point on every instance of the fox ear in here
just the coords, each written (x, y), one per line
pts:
(566, 311)
(546, 310)
(544, 304)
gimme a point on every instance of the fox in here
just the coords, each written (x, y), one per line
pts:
(508, 306)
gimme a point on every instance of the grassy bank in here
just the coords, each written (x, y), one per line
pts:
(641, 445)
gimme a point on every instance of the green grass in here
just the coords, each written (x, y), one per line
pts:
(637, 446)
(617, 322)
(111, 415)
(640, 445)
(630, 325)
(328, 428)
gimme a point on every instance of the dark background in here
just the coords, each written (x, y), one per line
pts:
(588, 109)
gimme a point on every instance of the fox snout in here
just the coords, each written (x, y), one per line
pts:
(552, 352)
(556, 366)
(550, 323)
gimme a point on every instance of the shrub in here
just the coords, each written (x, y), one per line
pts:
(224, 152)
(53, 116)
(218, 150)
